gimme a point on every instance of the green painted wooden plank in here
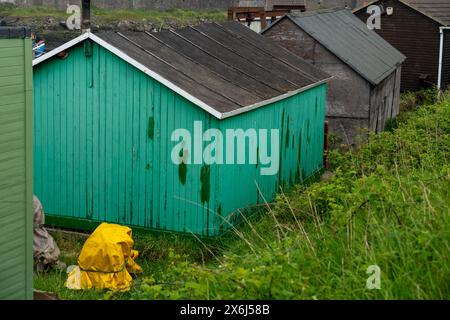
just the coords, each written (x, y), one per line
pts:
(50, 147)
(13, 261)
(9, 80)
(77, 143)
(129, 147)
(13, 71)
(12, 193)
(95, 128)
(108, 138)
(14, 135)
(179, 183)
(57, 143)
(102, 83)
(13, 215)
(83, 136)
(9, 127)
(63, 118)
(29, 166)
(135, 209)
(163, 160)
(11, 116)
(72, 82)
(11, 89)
(12, 43)
(122, 141)
(157, 183)
(11, 52)
(115, 131)
(14, 153)
(17, 98)
(12, 61)
(149, 164)
(142, 150)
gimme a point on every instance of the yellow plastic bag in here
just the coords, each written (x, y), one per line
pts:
(106, 260)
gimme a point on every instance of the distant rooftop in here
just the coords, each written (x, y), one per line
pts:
(347, 37)
(438, 9)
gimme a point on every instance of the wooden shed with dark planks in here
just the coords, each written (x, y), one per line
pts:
(420, 29)
(365, 90)
(109, 108)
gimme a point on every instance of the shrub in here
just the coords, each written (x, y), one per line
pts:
(386, 204)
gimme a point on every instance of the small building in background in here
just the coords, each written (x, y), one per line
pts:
(258, 14)
(420, 29)
(365, 90)
(16, 164)
(107, 106)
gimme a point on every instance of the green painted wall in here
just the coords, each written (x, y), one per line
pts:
(16, 177)
(103, 149)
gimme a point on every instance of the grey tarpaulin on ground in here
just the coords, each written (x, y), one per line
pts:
(45, 249)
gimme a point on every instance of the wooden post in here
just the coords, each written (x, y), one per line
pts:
(262, 17)
(86, 16)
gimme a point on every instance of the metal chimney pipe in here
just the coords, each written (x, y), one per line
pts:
(86, 16)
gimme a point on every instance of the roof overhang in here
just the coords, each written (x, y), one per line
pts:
(219, 115)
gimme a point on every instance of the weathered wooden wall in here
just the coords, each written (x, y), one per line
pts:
(446, 61)
(348, 94)
(414, 35)
(16, 165)
(384, 101)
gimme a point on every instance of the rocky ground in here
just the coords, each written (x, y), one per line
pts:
(52, 27)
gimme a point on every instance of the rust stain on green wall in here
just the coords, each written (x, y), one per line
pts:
(151, 128)
(205, 181)
(182, 169)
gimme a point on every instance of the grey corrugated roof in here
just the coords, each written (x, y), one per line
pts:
(226, 65)
(346, 36)
(14, 32)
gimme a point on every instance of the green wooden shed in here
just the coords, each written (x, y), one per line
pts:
(109, 108)
(16, 164)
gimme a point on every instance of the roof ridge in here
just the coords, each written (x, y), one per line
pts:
(371, 46)
(197, 81)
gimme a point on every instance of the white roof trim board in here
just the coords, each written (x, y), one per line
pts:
(164, 81)
(141, 67)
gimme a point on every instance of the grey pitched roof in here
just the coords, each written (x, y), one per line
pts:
(350, 40)
(436, 9)
(227, 66)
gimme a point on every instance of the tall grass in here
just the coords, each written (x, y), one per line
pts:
(387, 204)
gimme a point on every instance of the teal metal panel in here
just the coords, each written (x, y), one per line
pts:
(109, 156)
(300, 120)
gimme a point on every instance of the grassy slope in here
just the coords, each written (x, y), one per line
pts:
(99, 16)
(386, 204)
